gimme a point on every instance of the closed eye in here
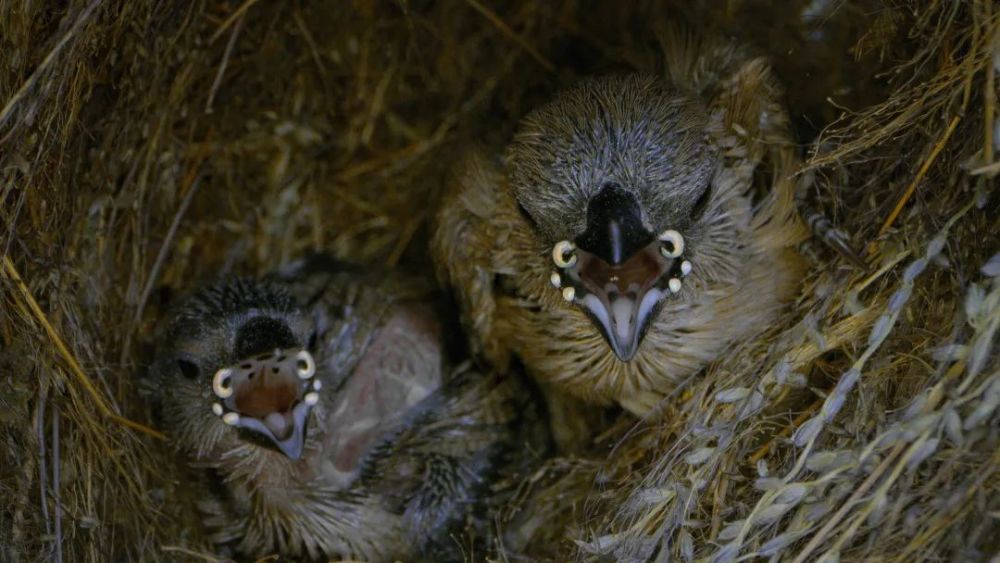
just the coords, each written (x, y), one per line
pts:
(527, 216)
(702, 203)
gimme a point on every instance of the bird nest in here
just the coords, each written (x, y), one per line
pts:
(147, 146)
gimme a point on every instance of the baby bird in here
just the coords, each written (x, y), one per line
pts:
(636, 227)
(322, 405)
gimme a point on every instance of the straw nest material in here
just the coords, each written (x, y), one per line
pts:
(147, 146)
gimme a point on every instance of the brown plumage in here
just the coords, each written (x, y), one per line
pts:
(398, 456)
(591, 196)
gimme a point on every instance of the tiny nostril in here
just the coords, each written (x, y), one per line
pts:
(275, 370)
(246, 366)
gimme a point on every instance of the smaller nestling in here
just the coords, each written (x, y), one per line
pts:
(330, 419)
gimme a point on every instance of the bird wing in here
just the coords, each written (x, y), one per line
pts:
(748, 101)
(439, 468)
(464, 248)
(753, 101)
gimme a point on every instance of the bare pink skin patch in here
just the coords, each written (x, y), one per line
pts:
(401, 367)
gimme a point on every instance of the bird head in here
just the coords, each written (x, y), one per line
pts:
(612, 175)
(236, 361)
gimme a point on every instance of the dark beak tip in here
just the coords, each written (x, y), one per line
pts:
(292, 448)
(624, 351)
(627, 354)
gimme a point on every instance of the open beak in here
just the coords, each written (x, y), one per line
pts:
(618, 271)
(270, 396)
(623, 299)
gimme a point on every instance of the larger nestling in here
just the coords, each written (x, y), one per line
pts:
(636, 228)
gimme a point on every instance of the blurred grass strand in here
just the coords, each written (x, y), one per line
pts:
(10, 272)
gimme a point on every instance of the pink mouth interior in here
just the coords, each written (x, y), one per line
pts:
(268, 393)
(635, 276)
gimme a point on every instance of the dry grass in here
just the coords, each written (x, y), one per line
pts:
(147, 146)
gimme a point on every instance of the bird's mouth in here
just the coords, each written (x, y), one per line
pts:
(618, 271)
(622, 299)
(269, 396)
